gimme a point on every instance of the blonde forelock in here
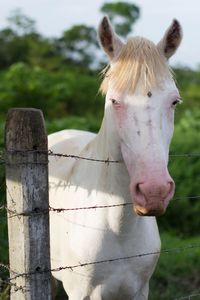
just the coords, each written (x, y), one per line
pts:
(139, 61)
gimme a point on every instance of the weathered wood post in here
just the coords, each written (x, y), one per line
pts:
(27, 204)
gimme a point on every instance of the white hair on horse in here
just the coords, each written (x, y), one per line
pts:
(135, 132)
(138, 61)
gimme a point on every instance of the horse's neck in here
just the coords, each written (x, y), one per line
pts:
(107, 143)
(107, 147)
(109, 181)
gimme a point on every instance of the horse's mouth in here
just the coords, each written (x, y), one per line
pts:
(142, 211)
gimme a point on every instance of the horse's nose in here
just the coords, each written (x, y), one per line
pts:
(151, 198)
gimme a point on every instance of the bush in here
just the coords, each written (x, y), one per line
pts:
(182, 214)
(177, 272)
(58, 94)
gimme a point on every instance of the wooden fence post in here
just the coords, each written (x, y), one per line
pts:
(27, 204)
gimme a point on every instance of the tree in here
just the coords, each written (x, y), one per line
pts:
(79, 44)
(123, 15)
(20, 42)
(20, 23)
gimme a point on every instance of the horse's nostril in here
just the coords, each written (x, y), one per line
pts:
(137, 188)
(171, 186)
(152, 190)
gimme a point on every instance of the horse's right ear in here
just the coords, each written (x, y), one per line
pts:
(109, 40)
(171, 40)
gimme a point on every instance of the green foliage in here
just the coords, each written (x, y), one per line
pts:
(122, 14)
(89, 123)
(4, 293)
(20, 42)
(56, 93)
(79, 45)
(177, 272)
(180, 215)
(30, 48)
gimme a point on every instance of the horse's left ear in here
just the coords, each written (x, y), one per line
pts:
(109, 40)
(171, 40)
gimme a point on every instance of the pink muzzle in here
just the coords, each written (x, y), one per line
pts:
(151, 196)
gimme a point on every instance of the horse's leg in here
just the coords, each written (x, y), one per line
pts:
(54, 285)
(143, 293)
(77, 296)
(140, 297)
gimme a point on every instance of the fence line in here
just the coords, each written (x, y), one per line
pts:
(28, 154)
(59, 210)
(81, 265)
(62, 155)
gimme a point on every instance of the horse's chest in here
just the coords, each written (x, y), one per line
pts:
(105, 238)
(97, 241)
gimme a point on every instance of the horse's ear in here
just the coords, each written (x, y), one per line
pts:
(109, 40)
(171, 40)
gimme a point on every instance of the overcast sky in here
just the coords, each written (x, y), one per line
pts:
(54, 16)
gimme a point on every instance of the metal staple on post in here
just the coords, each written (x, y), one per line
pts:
(27, 182)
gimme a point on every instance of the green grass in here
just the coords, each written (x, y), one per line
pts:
(178, 272)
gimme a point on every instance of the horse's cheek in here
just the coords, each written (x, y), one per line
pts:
(121, 116)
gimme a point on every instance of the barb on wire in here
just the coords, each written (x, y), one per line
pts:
(164, 251)
(16, 288)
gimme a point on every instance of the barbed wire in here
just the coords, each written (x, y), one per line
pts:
(51, 153)
(38, 211)
(39, 270)
(86, 264)
(188, 297)
(62, 155)
(16, 288)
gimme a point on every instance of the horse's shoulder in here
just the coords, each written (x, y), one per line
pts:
(67, 142)
(69, 136)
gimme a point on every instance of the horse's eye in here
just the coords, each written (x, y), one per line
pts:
(149, 94)
(114, 101)
(176, 102)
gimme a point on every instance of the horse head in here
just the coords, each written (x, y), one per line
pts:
(141, 97)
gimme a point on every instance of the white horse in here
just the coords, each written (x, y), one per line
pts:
(136, 131)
